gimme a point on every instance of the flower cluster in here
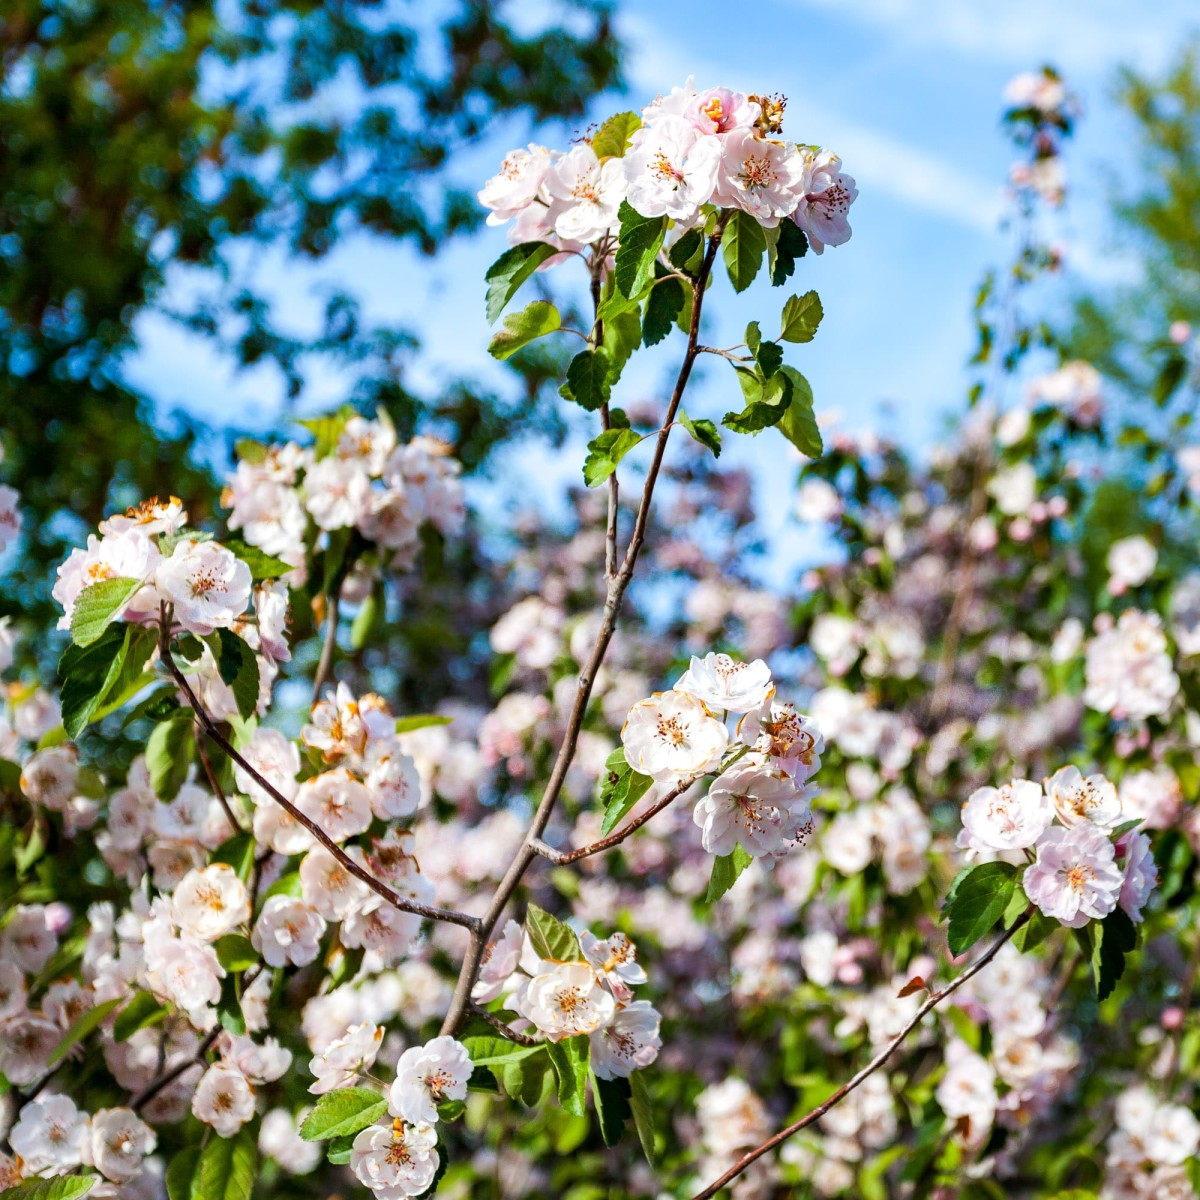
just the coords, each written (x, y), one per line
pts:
(1085, 865)
(360, 478)
(1147, 1155)
(1129, 669)
(689, 153)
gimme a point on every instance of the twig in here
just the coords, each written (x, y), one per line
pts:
(927, 1006)
(211, 775)
(355, 869)
(616, 590)
(138, 1102)
(330, 645)
(477, 1010)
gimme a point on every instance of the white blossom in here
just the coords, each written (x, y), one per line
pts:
(208, 585)
(672, 734)
(223, 1099)
(722, 683)
(427, 1076)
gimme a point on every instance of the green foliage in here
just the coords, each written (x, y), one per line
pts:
(261, 564)
(621, 787)
(65, 1187)
(552, 940)
(421, 721)
(235, 952)
(98, 605)
(767, 401)
(88, 674)
(505, 276)
(704, 431)
(532, 322)
(80, 1028)
(799, 424)
(570, 1059)
(238, 668)
(1107, 944)
(605, 451)
(663, 305)
(343, 1113)
(169, 754)
(588, 381)
(743, 245)
(643, 1116)
(726, 869)
(226, 1168)
(641, 239)
(785, 244)
(142, 1010)
(611, 140)
(977, 900)
(801, 316)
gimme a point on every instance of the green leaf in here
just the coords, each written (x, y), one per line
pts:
(235, 952)
(617, 305)
(88, 674)
(238, 668)
(605, 451)
(261, 564)
(611, 140)
(725, 872)
(769, 357)
(492, 1051)
(340, 1151)
(688, 253)
(620, 789)
(511, 270)
(611, 1097)
(622, 336)
(1112, 939)
(326, 430)
(1016, 906)
(532, 322)
(587, 379)
(180, 1174)
(742, 247)
(65, 1187)
(663, 306)
(753, 337)
(569, 1058)
(525, 1078)
(227, 1168)
(342, 1113)
(643, 1116)
(98, 605)
(238, 853)
(976, 902)
(641, 239)
(798, 423)
(80, 1028)
(1035, 931)
(140, 1013)
(552, 940)
(169, 754)
(767, 402)
(801, 316)
(369, 617)
(420, 721)
(704, 431)
(785, 244)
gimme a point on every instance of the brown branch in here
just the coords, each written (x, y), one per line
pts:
(477, 1010)
(138, 1102)
(211, 776)
(330, 645)
(359, 872)
(931, 1002)
(617, 585)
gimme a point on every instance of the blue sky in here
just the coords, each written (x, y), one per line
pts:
(907, 91)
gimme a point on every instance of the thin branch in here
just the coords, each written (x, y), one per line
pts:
(359, 872)
(327, 650)
(562, 858)
(617, 585)
(211, 776)
(931, 1002)
(138, 1102)
(610, 529)
(477, 1010)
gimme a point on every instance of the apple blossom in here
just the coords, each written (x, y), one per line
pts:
(722, 683)
(755, 806)
(427, 1076)
(287, 931)
(628, 1042)
(826, 196)
(119, 1142)
(672, 734)
(210, 903)
(396, 1160)
(223, 1099)
(1078, 799)
(565, 1001)
(50, 1136)
(339, 1063)
(672, 170)
(207, 585)
(1010, 817)
(1075, 877)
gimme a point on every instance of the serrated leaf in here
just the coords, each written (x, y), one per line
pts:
(587, 379)
(227, 1168)
(769, 408)
(98, 605)
(753, 337)
(742, 247)
(801, 316)
(169, 754)
(641, 239)
(525, 1078)
(622, 336)
(1112, 939)
(611, 1097)
(80, 1028)
(769, 357)
(570, 1058)
(141, 1012)
(620, 789)
(262, 565)
(726, 870)
(88, 673)
(664, 304)
(491, 1051)
(180, 1173)
(785, 244)
(799, 424)
(551, 939)
(643, 1116)
(977, 902)
(704, 431)
(511, 270)
(611, 140)
(235, 952)
(237, 665)
(605, 451)
(1035, 931)
(687, 253)
(532, 322)
(65, 1187)
(343, 1113)
(420, 721)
